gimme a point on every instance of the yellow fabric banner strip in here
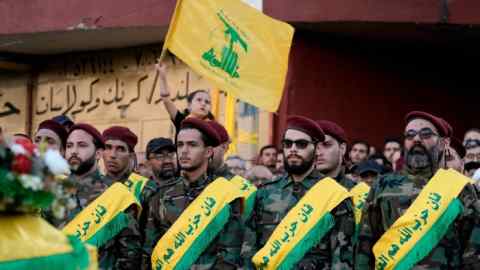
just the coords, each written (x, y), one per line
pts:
(246, 188)
(241, 50)
(359, 196)
(101, 211)
(26, 236)
(319, 201)
(179, 239)
(417, 221)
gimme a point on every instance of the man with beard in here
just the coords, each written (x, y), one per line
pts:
(331, 151)
(196, 141)
(451, 242)
(162, 160)
(472, 160)
(268, 157)
(218, 168)
(83, 150)
(276, 202)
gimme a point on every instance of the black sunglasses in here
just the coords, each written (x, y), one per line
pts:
(299, 144)
(424, 133)
(471, 143)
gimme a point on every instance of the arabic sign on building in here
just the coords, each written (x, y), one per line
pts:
(113, 88)
(13, 104)
(108, 88)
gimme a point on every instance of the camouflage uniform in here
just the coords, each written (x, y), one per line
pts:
(224, 172)
(85, 191)
(273, 202)
(167, 205)
(343, 180)
(124, 251)
(391, 196)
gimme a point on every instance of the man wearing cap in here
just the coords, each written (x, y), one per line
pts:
(119, 153)
(63, 120)
(448, 241)
(119, 158)
(218, 168)
(331, 151)
(51, 133)
(195, 148)
(162, 159)
(283, 206)
(83, 150)
(368, 171)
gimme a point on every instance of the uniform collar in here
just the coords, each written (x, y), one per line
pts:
(307, 182)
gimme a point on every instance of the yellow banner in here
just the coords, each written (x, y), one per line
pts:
(359, 196)
(238, 48)
(31, 235)
(101, 211)
(136, 183)
(292, 231)
(430, 213)
(179, 246)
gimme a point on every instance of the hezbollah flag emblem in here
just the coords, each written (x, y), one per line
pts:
(238, 48)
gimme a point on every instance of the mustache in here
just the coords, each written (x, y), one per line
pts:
(294, 155)
(74, 158)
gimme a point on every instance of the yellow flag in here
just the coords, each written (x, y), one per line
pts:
(230, 105)
(238, 48)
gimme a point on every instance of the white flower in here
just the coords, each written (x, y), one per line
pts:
(18, 149)
(56, 163)
(58, 210)
(31, 181)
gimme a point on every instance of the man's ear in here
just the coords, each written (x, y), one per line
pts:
(209, 152)
(98, 154)
(343, 149)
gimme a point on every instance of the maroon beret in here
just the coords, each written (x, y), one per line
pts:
(333, 130)
(307, 126)
(213, 139)
(55, 127)
(438, 122)
(221, 131)
(449, 128)
(458, 146)
(97, 137)
(122, 134)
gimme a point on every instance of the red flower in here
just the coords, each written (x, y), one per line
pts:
(21, 164)
(27, 145)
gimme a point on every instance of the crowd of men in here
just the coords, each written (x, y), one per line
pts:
(311, 150)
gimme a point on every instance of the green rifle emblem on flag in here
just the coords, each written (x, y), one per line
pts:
(229, 57)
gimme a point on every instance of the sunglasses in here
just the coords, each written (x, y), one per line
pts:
(471, 143)
(299, 144)
(424, 134)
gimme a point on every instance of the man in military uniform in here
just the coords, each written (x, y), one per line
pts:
(425, 144)
(276, 198)
(52, 134)
(218, 168)
(162, 159)
(83, 149)
(195, 146)
(331, 151)
(119, 154)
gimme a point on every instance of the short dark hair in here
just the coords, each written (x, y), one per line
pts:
(386, 163)
(190, 98)
(268, 146)
(361, 142)
(392, 139)
(205, 139)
